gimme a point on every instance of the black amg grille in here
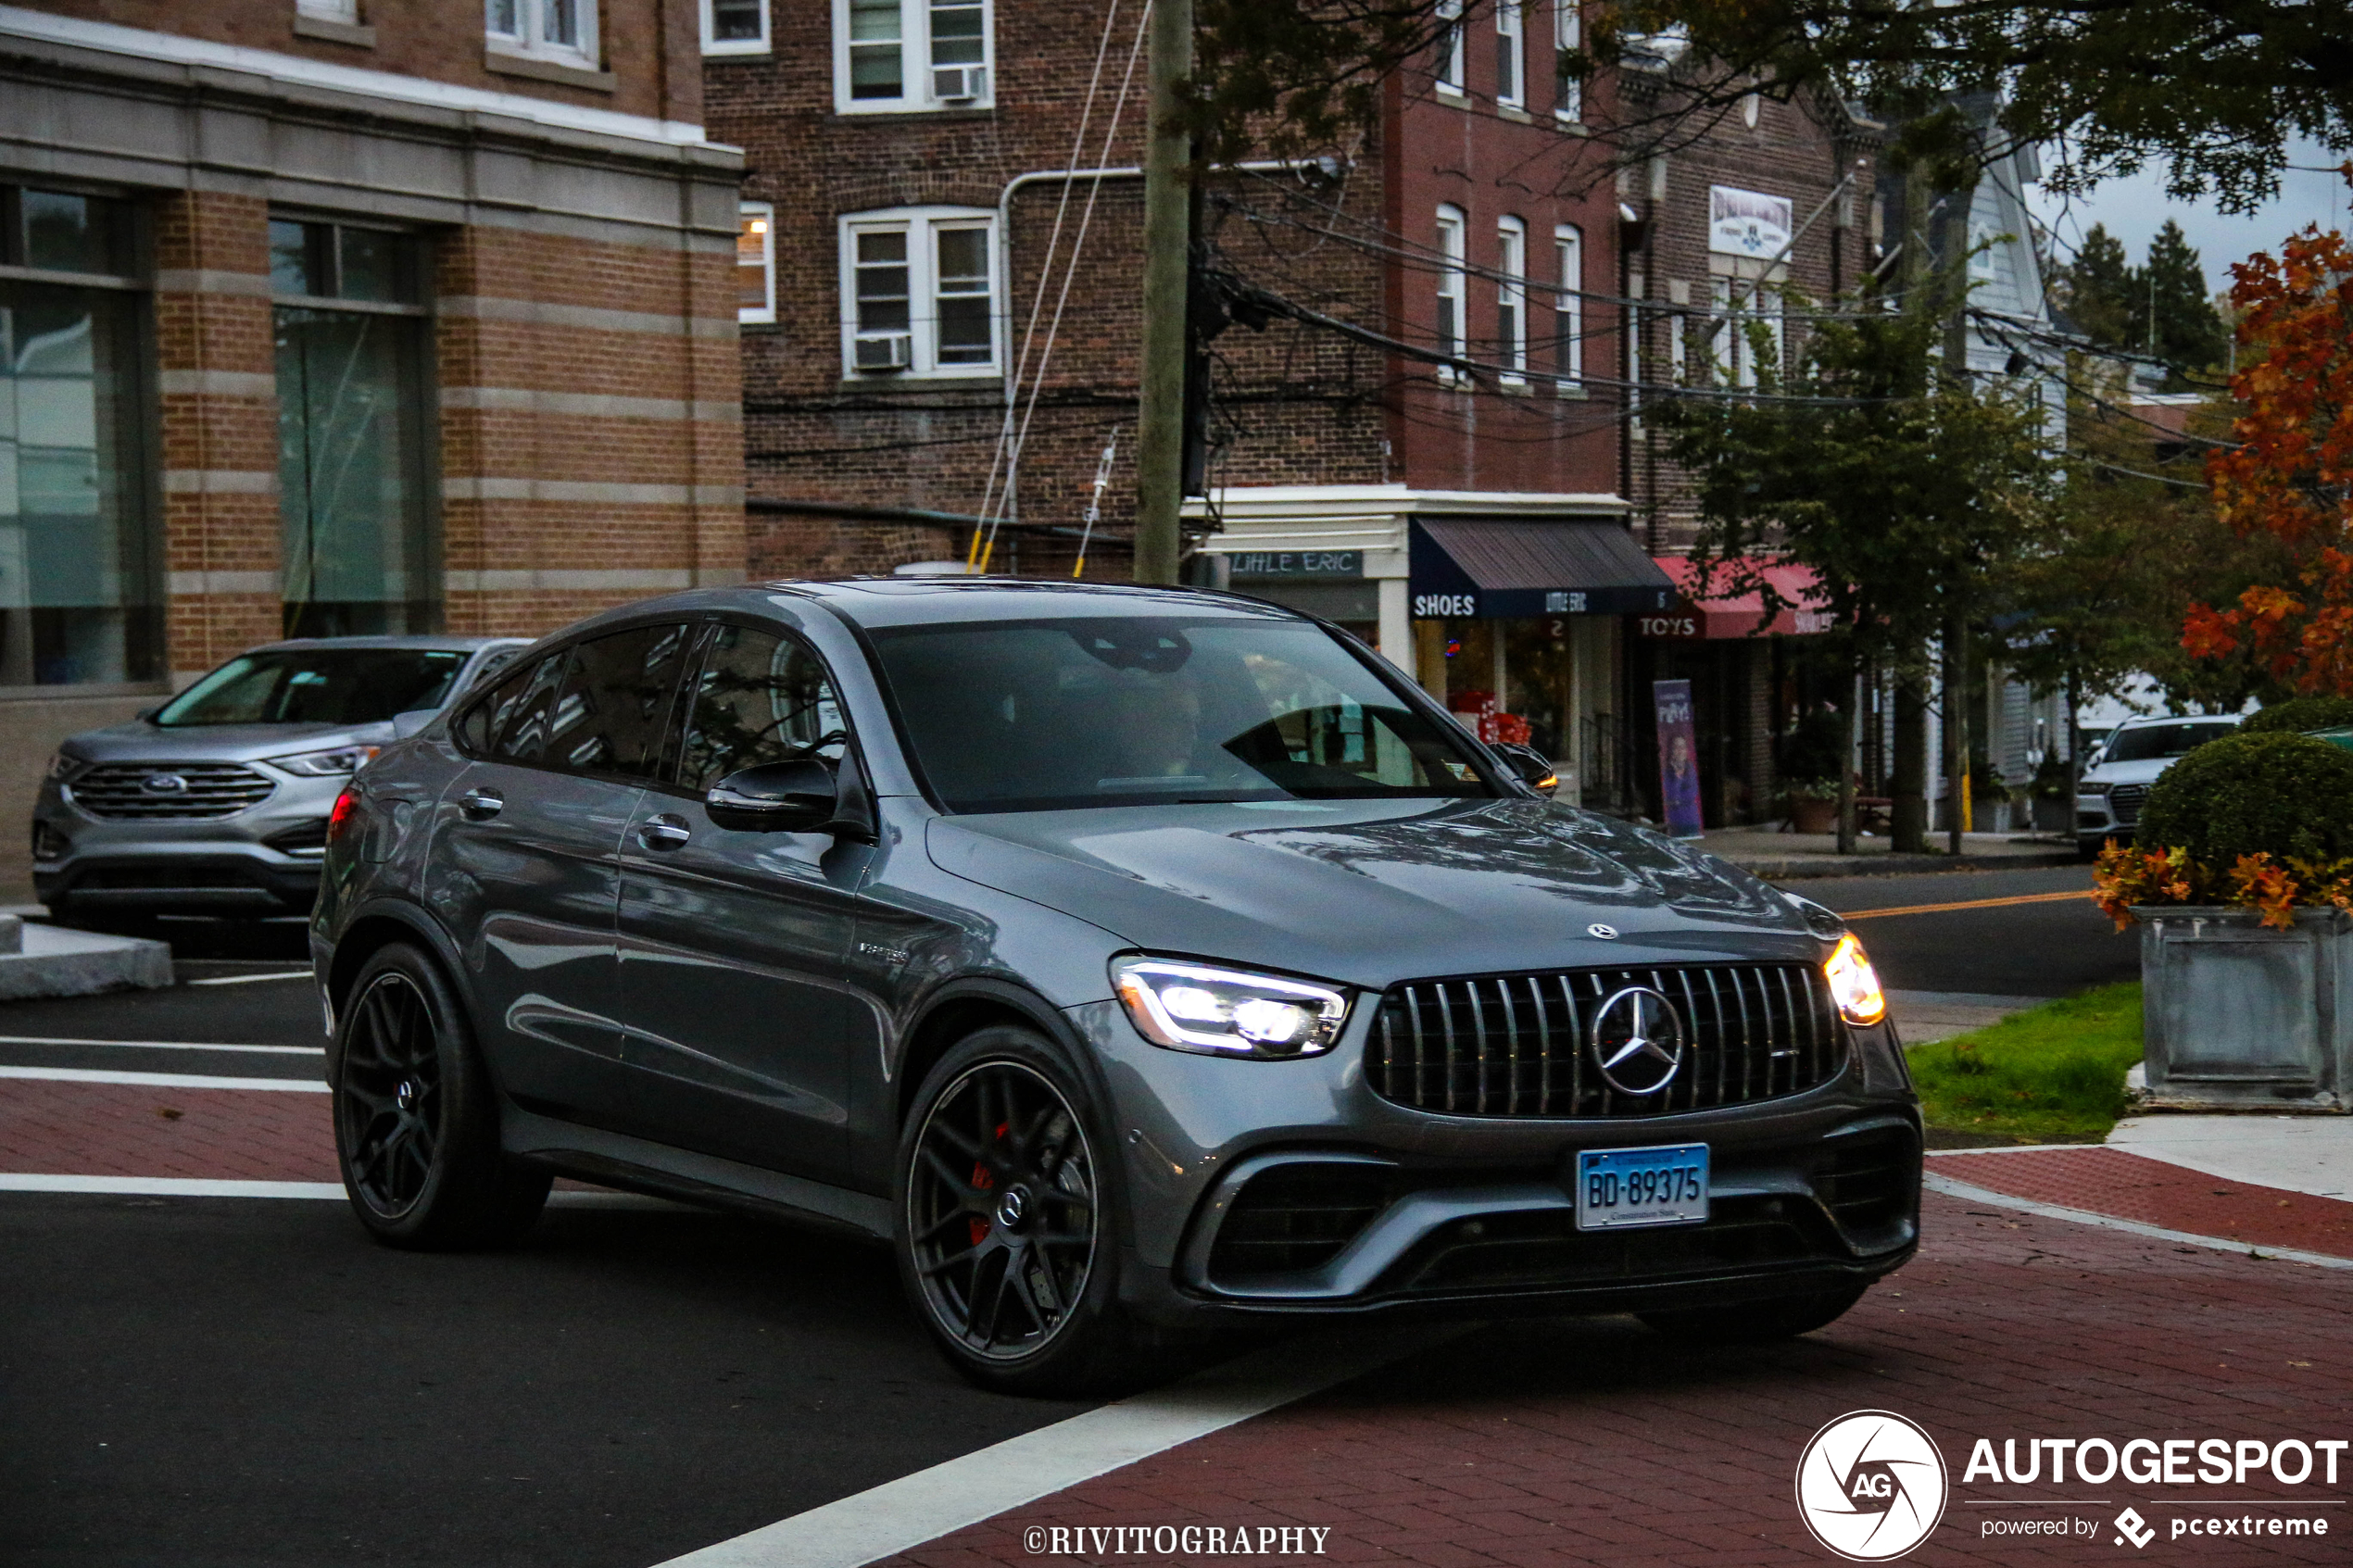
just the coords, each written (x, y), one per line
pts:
(1869, 1179)
(1517, 1045)
(204, 789)
(1525, 1251)
(2124, 802)
(1297, 1217)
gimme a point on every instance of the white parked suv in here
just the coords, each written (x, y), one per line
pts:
(2108, 799)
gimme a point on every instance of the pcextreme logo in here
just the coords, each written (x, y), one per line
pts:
(1871, 1485)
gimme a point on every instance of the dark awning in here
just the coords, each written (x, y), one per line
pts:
(1491, 569)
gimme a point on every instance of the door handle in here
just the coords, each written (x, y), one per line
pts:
(481, 805)
(664, 832)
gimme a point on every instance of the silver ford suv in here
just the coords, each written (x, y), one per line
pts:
(217, 802)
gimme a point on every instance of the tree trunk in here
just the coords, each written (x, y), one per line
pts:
(2074, 748)
(1853, 706)
(1956, 733)
(1908, 813)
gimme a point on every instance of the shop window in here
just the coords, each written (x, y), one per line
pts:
(1511, 300)
(1449, 337)
(79, 552)
(1568, 311)
(735, 27)
(1511, 55)
(563, 31)
(756, 263)
(1451, 47)
(900, 54)
(1568, 38)
(358, 554)
(919, 293)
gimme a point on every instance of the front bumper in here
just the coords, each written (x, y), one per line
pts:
(258, 861)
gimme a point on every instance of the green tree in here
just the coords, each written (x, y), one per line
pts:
(2178, 321)
(2096, 290)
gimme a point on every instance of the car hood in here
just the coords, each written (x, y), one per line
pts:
(143, 742)
(1372, 892)
(2129, 772)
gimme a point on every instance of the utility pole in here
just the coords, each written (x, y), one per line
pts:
(1957, 650)
(1168, 244)
(1909, 788)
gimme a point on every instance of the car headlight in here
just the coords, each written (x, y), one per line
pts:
(61, 764)
(2089, 787)
(1190, 1007)
(341, 760)
(1854, 983)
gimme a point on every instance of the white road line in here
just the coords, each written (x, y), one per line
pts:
(1952, 1188)
(160, 1044)
(914, 1509)
(163, 1080)
(253, 979)
(191, 1187)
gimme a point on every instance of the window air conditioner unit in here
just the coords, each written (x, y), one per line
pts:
(888, 351)
(959, 85)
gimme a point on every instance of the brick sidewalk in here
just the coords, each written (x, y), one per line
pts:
(2130, 1187)
(1543, 1444)
(81, 1129)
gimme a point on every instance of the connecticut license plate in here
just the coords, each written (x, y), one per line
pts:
(1666, 1184)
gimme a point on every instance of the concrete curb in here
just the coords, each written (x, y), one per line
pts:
(47, 960)
(1798, 869)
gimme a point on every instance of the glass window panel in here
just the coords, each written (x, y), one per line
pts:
(522, 710)
(761, 698)
(877, 65)
(964, 332)
(754, 245)
(65, 232)
(958, 32)
(77, 594)
(358, 557)
(291, 253)
(738, 21)
(332, 685)
(372, 264)
(614, 710)
(560, 22)
(883, 288)
(503, 19)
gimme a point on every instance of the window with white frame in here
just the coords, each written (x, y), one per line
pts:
(345, 11)
(735, 27)
(1449, 47)
(1511, 300)
(756, 263)
(901, 55)
(1569, 311)
(560, 30)
(1568, 37)
(919, 292)
(1511, 55)
(1746, 331)
(1448, 335)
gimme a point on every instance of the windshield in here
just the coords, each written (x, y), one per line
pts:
(317, 686)
(1027, 716)
(2150, 742)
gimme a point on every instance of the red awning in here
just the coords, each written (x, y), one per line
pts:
(1736, 614)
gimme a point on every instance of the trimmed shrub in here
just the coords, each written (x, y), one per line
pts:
(2285, 795)
(2298, 715)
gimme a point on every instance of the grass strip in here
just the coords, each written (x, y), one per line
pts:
(2053, 1074)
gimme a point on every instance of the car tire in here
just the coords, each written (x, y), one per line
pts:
(1757, 1323)
(417, 1118)
(1007, 1222)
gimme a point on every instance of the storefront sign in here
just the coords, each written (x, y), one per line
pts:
(1671, 626)
(1677, 758)
(1431, 607)
(1298, 563)
(1747, 222)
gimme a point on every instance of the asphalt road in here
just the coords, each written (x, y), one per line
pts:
(236, 1382)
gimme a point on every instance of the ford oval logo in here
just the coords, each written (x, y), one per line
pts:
(164, 783)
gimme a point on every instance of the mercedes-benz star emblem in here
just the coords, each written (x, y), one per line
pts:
(1637, 1041)
(1607, 932)
(164, 783)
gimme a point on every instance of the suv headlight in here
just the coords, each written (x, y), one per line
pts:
(336, 763)
(1854, 983)
(1190, 1007)
(2091, 786)
(61, 764)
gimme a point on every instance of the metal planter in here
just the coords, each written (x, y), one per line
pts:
(2239, 1016)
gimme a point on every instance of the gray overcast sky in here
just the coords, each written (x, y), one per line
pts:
(2135, 210)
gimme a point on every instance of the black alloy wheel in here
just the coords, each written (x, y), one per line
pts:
(1002, 1217)
(416, 1115)
(388, 1101)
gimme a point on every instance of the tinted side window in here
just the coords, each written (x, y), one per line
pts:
(614, 705)
(761, 697)
(519, 711)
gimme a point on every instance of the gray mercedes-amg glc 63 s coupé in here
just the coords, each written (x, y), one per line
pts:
(1133, 961)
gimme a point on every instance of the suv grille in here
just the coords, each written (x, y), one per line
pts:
(1298, 1216)
(206, 789)
(2124, 803)
(1513, 1045)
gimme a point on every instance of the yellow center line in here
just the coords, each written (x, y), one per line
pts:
(1967, 904)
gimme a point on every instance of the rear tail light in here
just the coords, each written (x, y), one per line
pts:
(347, 806)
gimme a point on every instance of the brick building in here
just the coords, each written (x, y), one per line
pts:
(328, 316)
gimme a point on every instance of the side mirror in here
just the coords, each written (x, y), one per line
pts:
(796, 797)
(146, 715)
(408, 723)
(1530, 766)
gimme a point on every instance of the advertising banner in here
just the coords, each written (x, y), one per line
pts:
(1677, 758)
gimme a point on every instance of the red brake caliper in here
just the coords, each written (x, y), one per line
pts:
(983, 1182)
